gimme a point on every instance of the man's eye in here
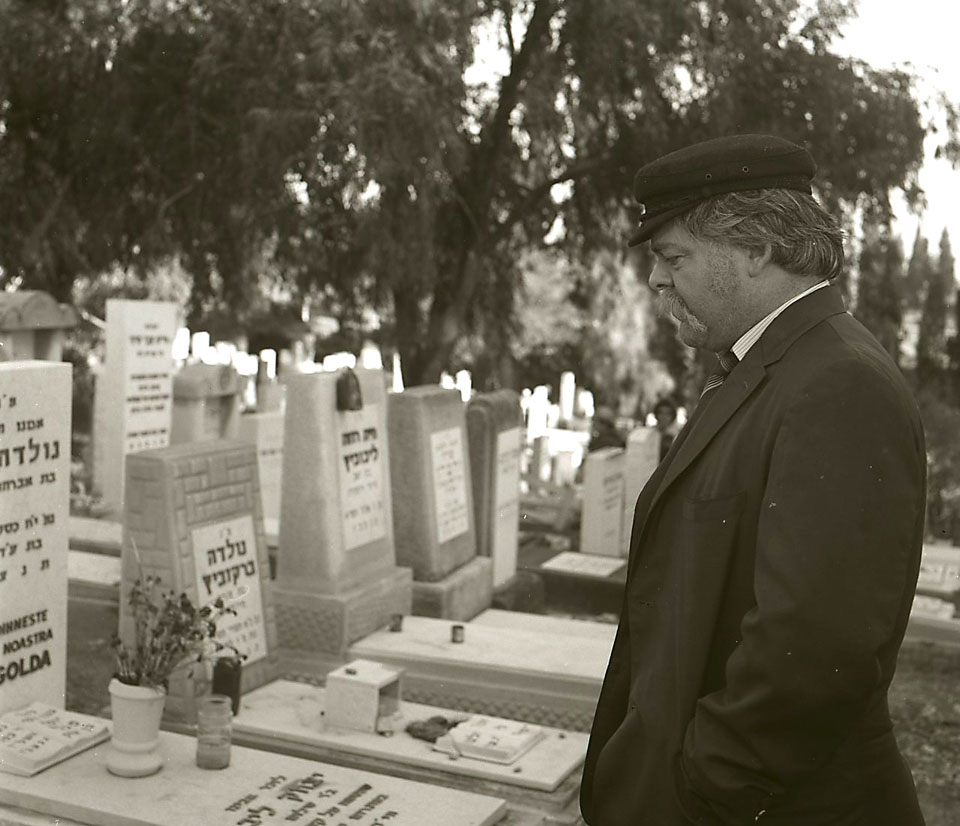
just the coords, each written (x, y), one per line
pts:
(674, 260)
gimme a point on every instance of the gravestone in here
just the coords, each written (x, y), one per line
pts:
(541, 462)
(563, 471)
(193, 518)
(206, 403)
(602, 511)
(495, 427)
(433, 511)
(33, 325)
(337, 577)
(523, 672)
(133, 391)
(257, 789)
(568, 395)
(265, 432)
(538, 412)
(34, 506)
(641, 457)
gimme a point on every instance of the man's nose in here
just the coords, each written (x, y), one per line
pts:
(659, 277)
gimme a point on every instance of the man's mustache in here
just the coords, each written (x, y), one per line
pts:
(669, 303)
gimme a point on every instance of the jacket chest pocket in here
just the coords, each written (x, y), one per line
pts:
(708, 538)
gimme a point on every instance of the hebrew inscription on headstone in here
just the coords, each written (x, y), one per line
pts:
(34, 506)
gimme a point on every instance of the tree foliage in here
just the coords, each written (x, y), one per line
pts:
(344, 143)
(880, 286)
(937, 295)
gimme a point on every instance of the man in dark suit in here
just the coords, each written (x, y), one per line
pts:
(775, 551)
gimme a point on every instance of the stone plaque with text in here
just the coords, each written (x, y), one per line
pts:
(449, 483)
(431, 481)
(134, 390)
(194, 519)
(602, 514)
(361, 466)
(225, 558)
(34, 508)
(495, 430)
(257, 789)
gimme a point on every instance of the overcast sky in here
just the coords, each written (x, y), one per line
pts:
(923, 33)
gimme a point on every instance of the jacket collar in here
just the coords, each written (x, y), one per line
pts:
(792, 323)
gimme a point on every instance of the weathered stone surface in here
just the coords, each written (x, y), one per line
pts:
(432, 490)
(34, 507)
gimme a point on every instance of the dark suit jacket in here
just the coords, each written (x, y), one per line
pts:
(773, 562)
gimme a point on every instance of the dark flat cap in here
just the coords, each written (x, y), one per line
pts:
(675, 183)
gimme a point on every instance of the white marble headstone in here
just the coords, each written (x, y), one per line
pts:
(135, 389)
(265, 431)
(641, 457)
(34, 507)
(602, 513)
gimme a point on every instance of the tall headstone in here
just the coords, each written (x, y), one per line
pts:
(265, 432)
(206, 403)
(568, 395)
(495, 427)
(538, 412)
(193, 518)
(602, 513)
(134, 390)
(337, 577)
(34, 507)
(641, 457)
(33, 325)
(433, 511)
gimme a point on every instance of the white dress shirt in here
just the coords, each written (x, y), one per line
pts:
(749, 338)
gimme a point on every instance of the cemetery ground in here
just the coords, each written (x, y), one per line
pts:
(923, 700)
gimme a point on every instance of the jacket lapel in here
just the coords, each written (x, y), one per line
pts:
(744, 379)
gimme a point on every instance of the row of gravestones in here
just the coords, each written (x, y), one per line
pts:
(612, 480)
(378, 518)
(212, 494)
(142, 403)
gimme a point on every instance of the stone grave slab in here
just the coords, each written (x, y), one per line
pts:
(459, 595)
(286, 711)
(935, 613)
(433, 511)
(93, 577)
(549, 625)
(193, 518)
(206, 403)
(495, 429)
(567, 587)
(602, 511)
(337, 577)
(102, 536)
(265, 431)
(640, 460)
(133, 403)
(589, 565)
(34, 505)
(256, 788)
(503, 672)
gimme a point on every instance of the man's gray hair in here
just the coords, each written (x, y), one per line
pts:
(804, 238)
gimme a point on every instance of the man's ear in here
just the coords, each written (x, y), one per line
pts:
(758, 258)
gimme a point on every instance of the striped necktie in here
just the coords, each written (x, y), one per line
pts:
(726, 361)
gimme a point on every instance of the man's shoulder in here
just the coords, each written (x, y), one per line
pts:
(841, 356)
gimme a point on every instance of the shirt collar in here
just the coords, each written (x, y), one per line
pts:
(749, 338)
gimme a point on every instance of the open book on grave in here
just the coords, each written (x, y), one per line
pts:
(489, 738)
(38, 736)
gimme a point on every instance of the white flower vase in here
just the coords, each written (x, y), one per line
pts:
(134, 749)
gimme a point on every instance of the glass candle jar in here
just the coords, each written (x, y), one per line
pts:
(213, 732)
